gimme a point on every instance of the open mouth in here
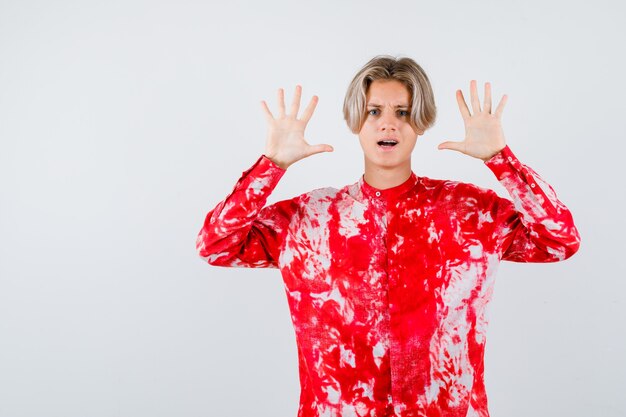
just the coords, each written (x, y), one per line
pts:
(388, 143)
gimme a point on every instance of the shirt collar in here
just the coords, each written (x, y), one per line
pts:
(393, 192)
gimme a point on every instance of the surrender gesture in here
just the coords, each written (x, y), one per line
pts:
(285, 133)
(483, 130)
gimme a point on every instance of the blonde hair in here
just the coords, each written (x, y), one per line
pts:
(387, 67)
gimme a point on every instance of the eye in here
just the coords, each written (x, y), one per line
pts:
(403, 112)
(372, 110)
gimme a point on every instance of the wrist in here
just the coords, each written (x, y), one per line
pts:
(493, 154)
(276, 161)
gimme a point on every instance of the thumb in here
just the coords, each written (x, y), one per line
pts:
(313, 149)
(455, 146)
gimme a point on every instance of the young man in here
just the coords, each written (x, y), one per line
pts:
(388, 279)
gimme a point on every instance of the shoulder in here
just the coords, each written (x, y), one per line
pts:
(309, 202)
(457, 191)
(322, 192)
(323, 195)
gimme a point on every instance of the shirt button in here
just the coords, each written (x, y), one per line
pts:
(377, 193)
(532, 185)
(510, 159)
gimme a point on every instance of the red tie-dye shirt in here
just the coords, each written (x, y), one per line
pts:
(388, 288)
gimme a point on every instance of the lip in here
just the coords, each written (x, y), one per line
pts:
(387, 148)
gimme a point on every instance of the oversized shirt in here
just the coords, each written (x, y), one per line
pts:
(388, 289)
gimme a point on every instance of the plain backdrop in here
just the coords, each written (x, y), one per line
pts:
(122, 123)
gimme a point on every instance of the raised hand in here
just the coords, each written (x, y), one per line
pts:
(285, 142)
(484, 136)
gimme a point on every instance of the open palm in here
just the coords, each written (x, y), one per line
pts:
(285, 143)
(484, 136)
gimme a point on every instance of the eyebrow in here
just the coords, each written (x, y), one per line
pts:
(378, 105)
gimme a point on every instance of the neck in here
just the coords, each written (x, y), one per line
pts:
(383, 178)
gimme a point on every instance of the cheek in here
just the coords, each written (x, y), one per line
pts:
(362, 140)
(366, 135)
(409, 133)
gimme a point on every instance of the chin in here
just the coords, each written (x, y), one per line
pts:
(387, 162)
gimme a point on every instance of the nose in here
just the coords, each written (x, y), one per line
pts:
(388, 122)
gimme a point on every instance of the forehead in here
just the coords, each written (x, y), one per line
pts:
(391, 92)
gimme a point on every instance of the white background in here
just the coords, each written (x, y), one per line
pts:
(122, 123)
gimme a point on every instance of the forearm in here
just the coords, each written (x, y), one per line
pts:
(546, 230)
(229, 229)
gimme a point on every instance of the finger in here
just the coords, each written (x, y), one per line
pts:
(500, 107)
(474, 97)
(313, 149)
(465, 113)
(295, 104)
(281, 102)
(308, 112)
(487, 103)
(268, 114)
(455, 146)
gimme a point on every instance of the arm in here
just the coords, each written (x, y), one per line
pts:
(535, 226)
(240, 231)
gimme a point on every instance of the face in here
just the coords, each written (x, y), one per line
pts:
(388, 118)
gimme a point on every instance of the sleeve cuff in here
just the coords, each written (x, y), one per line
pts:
(503, 162)
(268, 161)
(507, 168)
(263, 175)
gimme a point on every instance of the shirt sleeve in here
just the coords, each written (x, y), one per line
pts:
(535, 226)
(240, 231)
